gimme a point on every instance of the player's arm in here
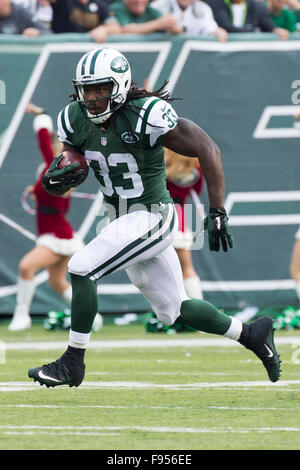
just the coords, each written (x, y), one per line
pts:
(187, 138)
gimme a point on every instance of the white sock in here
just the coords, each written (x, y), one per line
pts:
(67, 295)
(26, 288)
(79, 340)
(235, 329)
(193, 287)
(298, 289)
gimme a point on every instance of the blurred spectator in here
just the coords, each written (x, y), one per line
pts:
(295, 264)
(83, 16)
(184, 176)
(293, 4)
(295, 259)
(195, 16)
(245, 16)
(139, 17)
(282, 17)
(15, 19)
(40, 9)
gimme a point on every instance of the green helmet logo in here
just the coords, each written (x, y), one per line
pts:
(119, 65)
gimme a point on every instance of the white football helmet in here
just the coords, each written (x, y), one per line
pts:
(103, 66)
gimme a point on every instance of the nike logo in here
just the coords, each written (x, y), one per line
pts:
(46, 377)
(269, 351)
(54, 182)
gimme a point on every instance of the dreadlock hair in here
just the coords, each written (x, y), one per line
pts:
(136, 93)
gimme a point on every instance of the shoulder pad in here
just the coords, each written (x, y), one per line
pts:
(66, 122)
(156, 118)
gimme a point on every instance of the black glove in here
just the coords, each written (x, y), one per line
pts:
(216, 224)
(57, 181)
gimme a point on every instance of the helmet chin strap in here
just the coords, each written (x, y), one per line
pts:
(105, 115)
(100, 119)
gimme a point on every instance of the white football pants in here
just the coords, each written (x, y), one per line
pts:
(141, 243)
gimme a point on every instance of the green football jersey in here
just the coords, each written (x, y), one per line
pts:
(127, 158)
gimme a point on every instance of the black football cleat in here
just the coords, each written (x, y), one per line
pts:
(259, 338)
(57, 373)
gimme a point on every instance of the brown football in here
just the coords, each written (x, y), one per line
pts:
(72, 156)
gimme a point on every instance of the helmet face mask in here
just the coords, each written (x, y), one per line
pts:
(99, 67)
(91, 105)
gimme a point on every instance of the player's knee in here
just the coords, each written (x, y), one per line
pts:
(79, 264)
(165, 305)
(168, 311)
(168, 318)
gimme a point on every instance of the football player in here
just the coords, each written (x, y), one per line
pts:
(122, 130)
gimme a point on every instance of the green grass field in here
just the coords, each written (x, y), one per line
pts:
(149, 391)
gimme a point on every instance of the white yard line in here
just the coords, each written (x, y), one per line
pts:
(253, 408)
(121, 385)
(152, 429)
(72, 407)
(176, 374)
(52, 433)
(141, 343)
(136, 407)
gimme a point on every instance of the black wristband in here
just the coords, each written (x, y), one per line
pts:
(217, 211)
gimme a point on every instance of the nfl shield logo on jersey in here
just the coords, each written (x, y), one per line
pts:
(103, 140)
